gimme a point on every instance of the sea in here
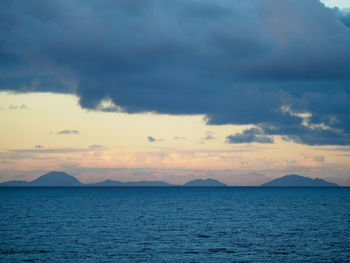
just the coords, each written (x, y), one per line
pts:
(175, 224)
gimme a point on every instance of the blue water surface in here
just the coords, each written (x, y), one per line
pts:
(174, 224)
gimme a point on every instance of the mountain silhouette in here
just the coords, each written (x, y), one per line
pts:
(56, 179)
(65, 180)
(294, 180)
(139, 183)
(204, 182)
(49, 179)
(15, 183)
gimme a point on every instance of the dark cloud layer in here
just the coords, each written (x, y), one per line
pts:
(344, 15)
(268, 63)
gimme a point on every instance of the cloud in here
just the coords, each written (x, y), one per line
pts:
(336, 149)
(151, 139)
(68, 132)
(311, 161)
(209, 136)
(47, 150)
(96, 147)
(40, 153)
(237, 62)
(249, 136)
(18, 107)
(344, 15)
(179, 138)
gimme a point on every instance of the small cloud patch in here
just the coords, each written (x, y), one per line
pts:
(18, 107)
(209, 137)
(64, 132)
(151, 139)
(96, 147)
(179, 138)
(38, 146)
(249, 136)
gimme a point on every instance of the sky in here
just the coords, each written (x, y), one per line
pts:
(239, 91)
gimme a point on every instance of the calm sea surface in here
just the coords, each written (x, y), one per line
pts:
(175, 224)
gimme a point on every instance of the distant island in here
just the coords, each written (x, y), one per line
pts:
(205, 182)
(62, 179)
(139, 183)
(294, 180)
(49, 179)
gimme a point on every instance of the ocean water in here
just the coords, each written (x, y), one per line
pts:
(233, 224)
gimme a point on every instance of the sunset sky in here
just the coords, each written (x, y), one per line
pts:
(239, 91)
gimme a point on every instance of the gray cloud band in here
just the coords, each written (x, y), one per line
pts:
(282, 66)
